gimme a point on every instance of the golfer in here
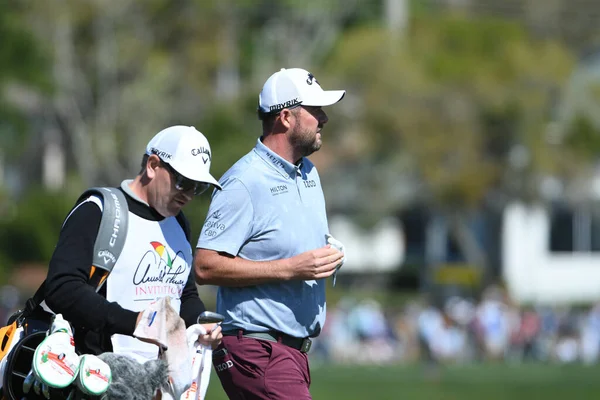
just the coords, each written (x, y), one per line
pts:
(264, 244)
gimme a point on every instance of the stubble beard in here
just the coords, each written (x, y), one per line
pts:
(305, 141)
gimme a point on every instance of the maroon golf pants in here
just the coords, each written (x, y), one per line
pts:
(252, 369)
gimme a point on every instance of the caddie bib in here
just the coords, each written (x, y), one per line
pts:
(155, 263)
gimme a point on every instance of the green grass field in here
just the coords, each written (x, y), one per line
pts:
(473, 382)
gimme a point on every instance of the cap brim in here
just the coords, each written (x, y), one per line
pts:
(207, 179)
(198, 176)
(325, 98)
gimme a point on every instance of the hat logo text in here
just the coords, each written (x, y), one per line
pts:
(162, 154)
(286, 104)
(202, 150)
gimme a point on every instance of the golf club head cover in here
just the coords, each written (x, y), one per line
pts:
(55, 362)
(94, 376)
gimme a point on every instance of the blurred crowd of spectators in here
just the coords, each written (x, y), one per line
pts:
(461, 330)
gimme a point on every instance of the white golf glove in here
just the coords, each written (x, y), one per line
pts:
(336, 244)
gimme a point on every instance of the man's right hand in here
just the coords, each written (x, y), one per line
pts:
(316, 264)
(213, 336)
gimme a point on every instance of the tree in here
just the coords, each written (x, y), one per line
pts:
(122, 70)
(448, 105)
(22, 62)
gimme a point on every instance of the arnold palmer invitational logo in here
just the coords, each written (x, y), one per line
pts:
(160, 273)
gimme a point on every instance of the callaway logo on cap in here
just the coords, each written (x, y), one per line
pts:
(291, 87)
(186, 150)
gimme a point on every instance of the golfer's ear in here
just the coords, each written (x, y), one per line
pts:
(286, 118)
(152, 165)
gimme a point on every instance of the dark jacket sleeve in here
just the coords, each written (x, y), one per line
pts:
(66, 289)
(191, 305)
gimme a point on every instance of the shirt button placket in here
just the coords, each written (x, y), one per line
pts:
(298, 187)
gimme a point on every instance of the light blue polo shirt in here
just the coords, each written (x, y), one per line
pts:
(269, 209)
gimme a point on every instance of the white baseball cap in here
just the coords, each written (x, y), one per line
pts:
(186, 150)
(294, 86)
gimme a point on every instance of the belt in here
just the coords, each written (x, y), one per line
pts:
(302, 344)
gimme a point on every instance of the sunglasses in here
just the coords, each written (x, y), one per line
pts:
(184, 184)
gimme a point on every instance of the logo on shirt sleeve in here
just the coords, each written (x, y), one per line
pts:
(212, 226)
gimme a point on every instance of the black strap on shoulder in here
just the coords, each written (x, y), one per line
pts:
(109, 241)
(33, 302)
(185, 225)
(113, 227)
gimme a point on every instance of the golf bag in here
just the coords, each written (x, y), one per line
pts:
(27, 328)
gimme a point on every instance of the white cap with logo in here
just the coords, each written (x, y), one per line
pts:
(186, 150)
(294, 86)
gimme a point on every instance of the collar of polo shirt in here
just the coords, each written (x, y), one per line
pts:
(282, 166)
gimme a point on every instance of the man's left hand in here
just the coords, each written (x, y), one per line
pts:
(337, 245)
(213, 336)
(333, 242)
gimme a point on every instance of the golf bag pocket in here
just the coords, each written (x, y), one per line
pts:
(19, 340)
(10, 335)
